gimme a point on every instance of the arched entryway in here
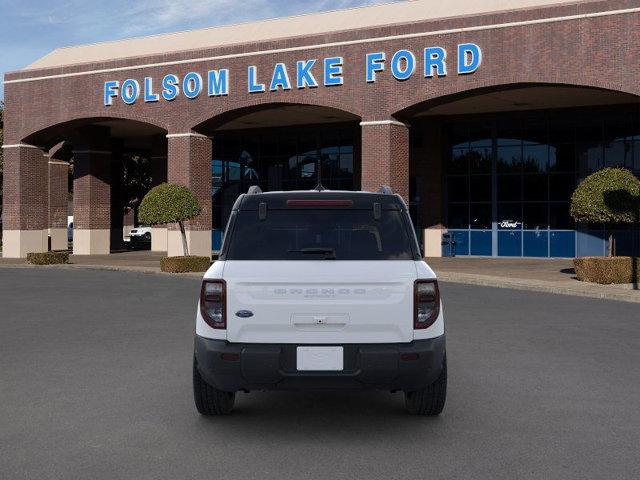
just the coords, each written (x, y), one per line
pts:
(280, 147)
(100, 166)
(496, 167)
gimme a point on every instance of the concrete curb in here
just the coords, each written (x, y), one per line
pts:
(112, 268)
(578, 289)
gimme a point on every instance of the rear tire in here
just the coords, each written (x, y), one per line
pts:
(210, 400)
(430, 400)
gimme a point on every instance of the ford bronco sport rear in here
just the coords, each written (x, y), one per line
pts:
(319, 290)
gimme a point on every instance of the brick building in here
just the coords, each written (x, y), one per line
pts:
(484, 115)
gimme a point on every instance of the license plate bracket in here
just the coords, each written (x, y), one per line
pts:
(320, 359)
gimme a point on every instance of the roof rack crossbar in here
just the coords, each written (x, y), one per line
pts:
(385, 190)
(254, 189)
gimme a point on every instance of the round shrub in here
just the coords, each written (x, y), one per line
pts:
(48, 258)
(611, 195)
(168, 203)
(184, 264)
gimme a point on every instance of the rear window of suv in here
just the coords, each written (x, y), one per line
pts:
(332, 234)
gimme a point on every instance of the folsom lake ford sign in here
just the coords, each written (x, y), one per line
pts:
(309, 73)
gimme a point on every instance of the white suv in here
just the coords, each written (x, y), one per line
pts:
(320, 290)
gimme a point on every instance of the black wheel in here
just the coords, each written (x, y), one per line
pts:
(147, 236)
(429, 401)
(209, 400)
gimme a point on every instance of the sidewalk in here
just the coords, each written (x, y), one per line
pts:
(126, 261)
(538, 275)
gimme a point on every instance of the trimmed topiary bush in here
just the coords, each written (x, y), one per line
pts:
(611, 195)
(170, 203)
(48, 258)
(184, 264)
(607, 270)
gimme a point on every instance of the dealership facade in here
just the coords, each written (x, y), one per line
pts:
(483, 115)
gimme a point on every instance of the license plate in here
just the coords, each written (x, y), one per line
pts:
(320, 359)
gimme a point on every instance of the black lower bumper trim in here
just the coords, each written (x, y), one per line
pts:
(394, 366)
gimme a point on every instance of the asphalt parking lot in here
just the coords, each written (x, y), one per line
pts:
(95, 382)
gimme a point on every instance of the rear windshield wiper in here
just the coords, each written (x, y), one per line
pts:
(329, 253)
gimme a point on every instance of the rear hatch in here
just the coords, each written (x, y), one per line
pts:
(320, 302)
(320, 268)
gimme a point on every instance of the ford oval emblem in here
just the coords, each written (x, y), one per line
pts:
(244, 313)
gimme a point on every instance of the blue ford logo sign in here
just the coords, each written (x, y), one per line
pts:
(244, 313)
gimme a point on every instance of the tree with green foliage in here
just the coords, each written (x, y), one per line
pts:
(136, 181)
(136, 178)
(611, 195)
(170, 203)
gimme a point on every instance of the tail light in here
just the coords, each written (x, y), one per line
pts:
(426, 303)
(213, 303)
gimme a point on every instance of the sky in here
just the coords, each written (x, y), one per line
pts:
(29, 29)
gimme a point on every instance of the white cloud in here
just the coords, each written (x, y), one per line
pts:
(122, 18)
(30, 29)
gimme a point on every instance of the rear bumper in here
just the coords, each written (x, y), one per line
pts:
(234, 366)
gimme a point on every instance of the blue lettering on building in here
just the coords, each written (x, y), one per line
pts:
(218, 83)
(280, 78)
(435, 62)
(305, 73)
(403, 64)
(170, 87)
(130, 91)
(469, 58)
(192, 85)
(375, 64)
(149, 96)
(333, 71)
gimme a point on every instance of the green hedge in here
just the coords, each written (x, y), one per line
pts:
(48, 258)
(607, 270)
(185, 264)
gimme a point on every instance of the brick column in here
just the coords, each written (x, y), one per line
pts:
(58, 191)
(385, 156)
(116, 239)
(426, 169)
(25, 210)
(189, 164)
(159, 233)
(92, 192)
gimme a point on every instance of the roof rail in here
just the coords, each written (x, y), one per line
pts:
(385, 190)
(253, 190)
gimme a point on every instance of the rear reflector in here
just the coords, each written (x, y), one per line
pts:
(408, 357)
(319, 203)
(231, 357)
